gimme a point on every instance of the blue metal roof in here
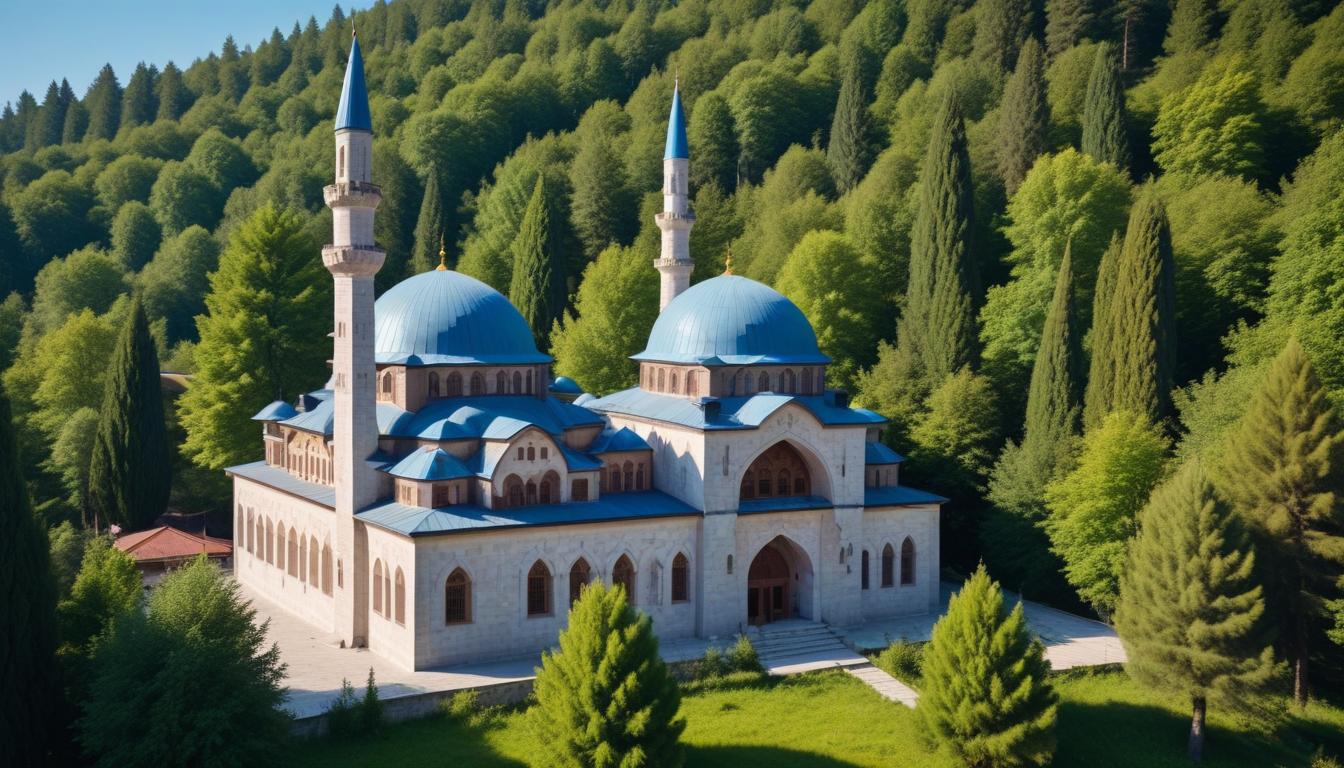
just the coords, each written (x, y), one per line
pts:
(496, 417)
(566, 386)
(442, 317)
(733, 412)
(623, 439)
(276, 411)
(677, 147)
(578, 462)
(429, 464)
(899, 496)
(281, 480)
(466, 518)
(782, 504)
(732, 320)
(353, 112)
(879, 453)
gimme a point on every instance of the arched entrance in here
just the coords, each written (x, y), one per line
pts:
(778, 582)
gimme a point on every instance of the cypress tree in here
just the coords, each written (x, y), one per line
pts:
(1105, 135)
(1189, 608)
(849, 150)
(76, 123)
(428, 227)
(1053, 397)
(1024, 118)
(129, 469)
(173, 96)
(1097, 399)
(103, 101)
(986, 698)
(604, 697)
(532, 287)
(46, 129)
(1280, 471)
(1191, 27)
(1000, 30)
(937, 334)
(27, 613)
(24, 115)
(1142, 314)
(1067, 22)
(137, 101)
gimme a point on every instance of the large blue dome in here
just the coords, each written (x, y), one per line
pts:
(731, 320)
(445, 317)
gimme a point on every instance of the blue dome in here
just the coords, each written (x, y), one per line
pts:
(731, 320)
(444, 317)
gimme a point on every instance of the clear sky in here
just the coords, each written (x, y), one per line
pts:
(46, 40)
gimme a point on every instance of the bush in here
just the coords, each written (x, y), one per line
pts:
(342, 717)
(742, 656)
(462, 705)
(371, 708)
(902, 661)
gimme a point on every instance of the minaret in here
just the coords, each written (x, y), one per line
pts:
(353, 259)
(676, 219)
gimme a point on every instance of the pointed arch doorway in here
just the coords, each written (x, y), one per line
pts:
(777, 581)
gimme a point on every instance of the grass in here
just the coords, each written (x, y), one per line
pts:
(831, 720)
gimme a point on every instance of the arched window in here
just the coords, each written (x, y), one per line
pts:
(863, 568)
(629, 483)
(313, 556)
(681, 579)
(763, 482)
(477, 384)
(539, 590)
(529, 382)
(513, 491)
(454, 384)
(238, 527)
(340, 163)
(888, 565)
(387, 383)
(579, 575)
(249, 534)
(269, 540)
(517, 383)
(280, 546)
(387, 591)
(805, 378)
(821, 381)
(433, 384)
(907, 561)
(782, 484)
(293, 558)
(763, 384)
(531, 453)
(378, 587)
(531, 492)
(614, 484)
(692, 384)
(303, 558)
(674, 383)
(457, 598)
(661, 379)
(326, 570)
(623, 573)
(640, 485)
(782, 464)
(786, 382)
(400, 604)
(501, 383)
(748, 489)
(550, 488)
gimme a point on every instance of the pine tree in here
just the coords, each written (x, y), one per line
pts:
(1024, 118)
(986, 699)
(937, 334)
(1067, 22)
(849, 150)
(1105, 131)
(76, 123)
(103, 101)
(532, 288)
(713, 143)
(1142, 314)
(429, 227)
(602, 200)
(1100, 374)
(46, 129)
(128, 472)
(604, 697)
(27, 613)
(1189, 608)
(137, 101)
(173, 96)
(1191, 27)
(1001, 28)
(1280, 471)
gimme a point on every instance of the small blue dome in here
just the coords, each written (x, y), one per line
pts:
(566, 386)
(732, 320)
(444, 317)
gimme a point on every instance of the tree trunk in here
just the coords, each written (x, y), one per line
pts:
(1300, 678)
(1195, 748)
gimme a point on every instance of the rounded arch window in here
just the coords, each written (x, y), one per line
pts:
(579, 575)
(538, 590)
(457, 598)
(623, 573)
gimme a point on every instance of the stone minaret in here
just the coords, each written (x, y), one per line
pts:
(353, 259)
(676, 219)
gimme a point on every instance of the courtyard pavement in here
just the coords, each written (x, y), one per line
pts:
(316, 664)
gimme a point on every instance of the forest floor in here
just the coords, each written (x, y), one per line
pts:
(831, 720)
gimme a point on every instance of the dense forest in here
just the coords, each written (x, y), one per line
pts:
(1064, 246)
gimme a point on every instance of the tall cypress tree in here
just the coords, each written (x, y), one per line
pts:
(1067, 22)
(137, 101)
(532, 288)
(1105, 131)
(76, 123)
(849, 149)
(1282, 467)
(1097, 399)
(1024, 118)
(1189, 608)
(428, 227)
(173, 96)
(1000, 30)
(1143, 314)
(129, 469)
(937, 333)
(46, 129)
(1191, 27)
(27, 614)
(103, 102)
(1053, 397)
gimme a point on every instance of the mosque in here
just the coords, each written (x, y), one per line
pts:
(444, 499)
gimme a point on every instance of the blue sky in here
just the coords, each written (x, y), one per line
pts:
(46, 40)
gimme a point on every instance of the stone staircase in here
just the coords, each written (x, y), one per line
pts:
(797, 645)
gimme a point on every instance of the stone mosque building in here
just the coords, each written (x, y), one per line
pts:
(444, 499)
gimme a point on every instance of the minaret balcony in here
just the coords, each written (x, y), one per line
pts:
(352, 194)
(353, 259)
(674, 219)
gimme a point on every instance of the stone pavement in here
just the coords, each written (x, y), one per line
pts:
(890, 688)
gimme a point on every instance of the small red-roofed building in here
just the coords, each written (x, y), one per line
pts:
(159, 550)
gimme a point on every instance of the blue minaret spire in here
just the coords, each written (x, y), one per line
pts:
(353, 112)
(676, 129)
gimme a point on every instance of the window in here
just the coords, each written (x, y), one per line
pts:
(539, 590)
(378, 587)
(433, 384)
(270, 542)
(517, 382)
(907, 561)
(674, 382)
(786, 382)
(387, 383)
(639, 477)
(293, 559)
(501, 383)
(806, 378)
(238, 527)
(782, 485)
(888, 565)
(531, 453)
(326, 570)
(340, 163)
(579, 576)
(863, 569)
(821, 381)
(546, 490)
(457, 598)
(661, 379)
(477, 384)
(303, 559)
(387, 591)
(748, 488)
(692, 384)
(763, 384)
(249, 534)
(629, 484)
(280, 546)
(529, 382)
(531, 492)
(400, 597)
(681, 579)
(454, 384)
(578, 490)
(782, 464)
(623, 573)
(763, 482)
(312, 561)
(615, 482)
(440, 495)
(545, 453)
(522, 453)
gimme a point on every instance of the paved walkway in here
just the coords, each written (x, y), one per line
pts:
(890, 688)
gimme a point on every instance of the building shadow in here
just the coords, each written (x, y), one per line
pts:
(762, 757)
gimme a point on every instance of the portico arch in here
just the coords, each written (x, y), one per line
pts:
(786, 459)
(779, 583)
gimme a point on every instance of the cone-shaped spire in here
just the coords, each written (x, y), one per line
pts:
(676, 130)
(353, 113)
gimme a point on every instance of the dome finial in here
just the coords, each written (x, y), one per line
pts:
(443, 256)
(728, 262)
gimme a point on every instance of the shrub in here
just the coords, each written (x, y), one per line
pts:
(371, 708)
(341, 713)
(742, 656)
(462, 705)
(902, 661)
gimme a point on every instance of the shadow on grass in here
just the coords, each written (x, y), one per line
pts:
(1127, 734)
(765, 757)
(427, 742)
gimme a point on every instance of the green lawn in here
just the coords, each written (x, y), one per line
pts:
(830, 720)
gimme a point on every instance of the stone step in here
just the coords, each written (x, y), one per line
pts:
(818, 643)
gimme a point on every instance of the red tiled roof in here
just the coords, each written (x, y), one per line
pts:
(167, 543)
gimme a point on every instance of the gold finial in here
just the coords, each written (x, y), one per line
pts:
(443, 256)
(728, 262)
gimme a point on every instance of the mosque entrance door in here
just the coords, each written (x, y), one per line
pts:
(768, 596)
